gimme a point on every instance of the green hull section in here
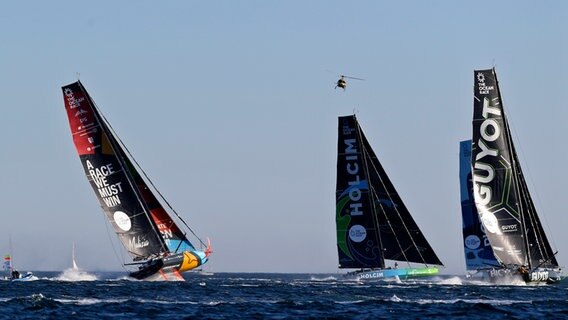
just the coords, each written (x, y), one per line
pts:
(406, 273)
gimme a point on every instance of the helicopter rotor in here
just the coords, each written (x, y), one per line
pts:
(342, 83)
(349, 77)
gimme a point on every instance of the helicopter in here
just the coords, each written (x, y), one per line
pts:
(342, 83)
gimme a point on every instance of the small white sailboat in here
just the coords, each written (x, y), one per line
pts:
(75, 273)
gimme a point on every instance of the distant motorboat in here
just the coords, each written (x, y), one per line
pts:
(27, 277)
(14, 274)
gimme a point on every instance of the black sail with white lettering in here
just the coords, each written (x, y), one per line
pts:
(358, 241)
(496, 189)
(372, 222)
(105, 168)
(501, 194)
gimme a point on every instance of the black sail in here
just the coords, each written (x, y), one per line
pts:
(501, 194)
(400, 236)
(540, 252)
(495, 189)
(358, 241)
(372, 221)
(104, 163)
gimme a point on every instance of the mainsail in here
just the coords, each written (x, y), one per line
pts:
(500, 191)
(145, 228)
(477, 249)
(372, 222)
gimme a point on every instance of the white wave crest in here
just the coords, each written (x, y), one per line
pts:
(330, 278)
(76, 274)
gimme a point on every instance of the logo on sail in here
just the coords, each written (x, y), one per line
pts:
(352, 168)
(472, 242)
(483, 89)
(122, 220)
(137, 243)
(357, 233)
(490, 222)
(71, 100)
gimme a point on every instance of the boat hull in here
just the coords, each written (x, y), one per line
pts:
(404, 273)
(543, 275)
(512, 277)
(170, 268)
(28, 277)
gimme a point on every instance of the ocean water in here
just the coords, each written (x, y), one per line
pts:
(273, 296)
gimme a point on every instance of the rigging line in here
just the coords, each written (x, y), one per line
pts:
(511, 149)
(156, 189)
(384, 212)
(543, 246)
(116, 255)
(400, 217)
(372, 191)
(97, 116)
(123, 161)
(146, 176)
(531, 217)
(530, 209)
(366, 152)
(373, 205)
(535, 190)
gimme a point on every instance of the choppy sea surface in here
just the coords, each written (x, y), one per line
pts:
(60, 295)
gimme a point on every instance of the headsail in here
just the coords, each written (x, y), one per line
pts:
(401, 237)
(478, 252)
(540, 252)
(373, 223)
(501, 194)
(175, 239)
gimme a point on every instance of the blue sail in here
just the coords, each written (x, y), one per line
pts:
(477, 250)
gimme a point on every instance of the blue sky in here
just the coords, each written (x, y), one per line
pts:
(229, 106)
